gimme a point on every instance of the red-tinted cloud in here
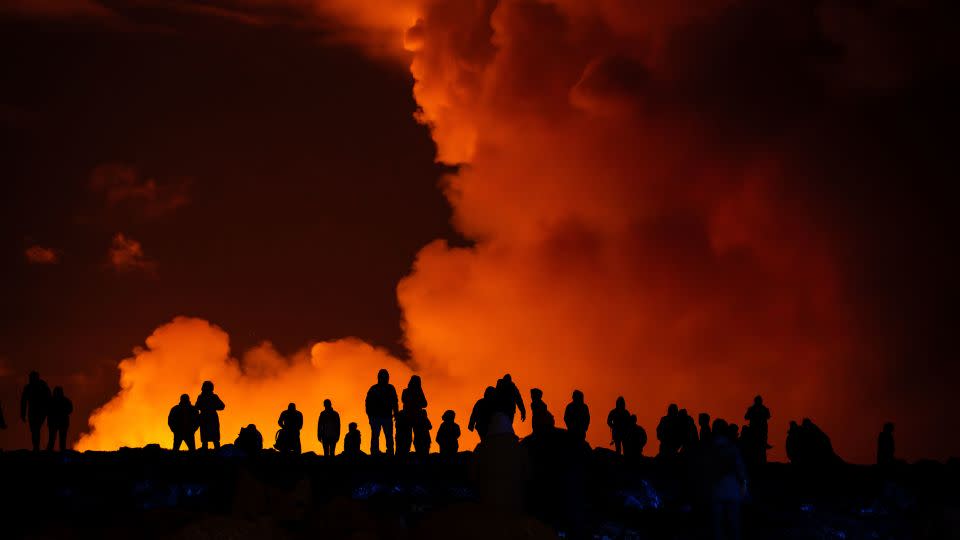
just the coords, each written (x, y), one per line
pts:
(122, 186)
(127, 255)
(42, 255)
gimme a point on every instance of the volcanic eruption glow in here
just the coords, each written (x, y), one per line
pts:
(629, 174)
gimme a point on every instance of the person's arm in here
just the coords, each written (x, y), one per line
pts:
(218, 405)
(394, 405)
(320, 428)
(519, 399)
(472, 423)
(69, 407)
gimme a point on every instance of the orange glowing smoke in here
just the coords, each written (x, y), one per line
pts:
(632, 238)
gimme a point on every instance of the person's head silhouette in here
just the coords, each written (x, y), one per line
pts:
(448, 416)
(758, 400)
(415, 381)
(292, 407)
(507, 378)
(207, 386)
(888, 427)
(672, 409)
(536, 394)
(327, 404)
(34, 376)
(577, 396)
(383, 376)
(352, 426)
(704, 419)
(490, 392)
(184, 399)
(621, 403)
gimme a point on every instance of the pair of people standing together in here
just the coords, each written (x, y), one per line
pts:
(412, 424)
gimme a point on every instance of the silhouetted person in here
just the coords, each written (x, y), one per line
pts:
(483, 409)
(509, 398)
(290, 422)
(757, 417)
(541, 418)
(794, 442)
(58, 418)
(3, 420)
(412, 422)
(208, 404)
(249, 440)
(704, 421)
(809, 446)
(667, 432)
(577, 416)
(885, 445)
(448, 434)
(183, 421)
(34, 404)
(619, 422)
(381, 406)
(351, 441)
(634, 438)
(726, 477)
(328, 428)
(733, 433)
(687, 430)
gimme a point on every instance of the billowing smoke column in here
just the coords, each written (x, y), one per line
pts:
(649, 188)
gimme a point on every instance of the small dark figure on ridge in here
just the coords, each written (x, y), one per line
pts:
(448, 434)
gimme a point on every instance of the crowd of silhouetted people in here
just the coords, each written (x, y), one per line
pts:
(723, 452)
(403, 423)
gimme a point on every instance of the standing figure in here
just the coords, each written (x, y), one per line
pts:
(448, 434)
(418, 418)
(381, 407)
(667, 432)
(757, 417)
(328, 428)
(577, 416)
(483, 409)
(619, 422)
(290, 422)
(704, 421)
(351, 441)
(412, 420)
(509, 399)
(542, 419)
(183, 421)
(34, 404)
(885, 445)
(688, 431)
(208, 404)
(58, 418)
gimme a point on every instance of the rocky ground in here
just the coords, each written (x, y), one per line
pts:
(154, 493)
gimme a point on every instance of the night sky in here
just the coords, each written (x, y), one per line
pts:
(649, 200)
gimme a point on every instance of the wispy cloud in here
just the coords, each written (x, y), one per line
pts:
(123, 186)
(127, 255)
(37, 254)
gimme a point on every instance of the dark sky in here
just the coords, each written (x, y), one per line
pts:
(292, 190)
